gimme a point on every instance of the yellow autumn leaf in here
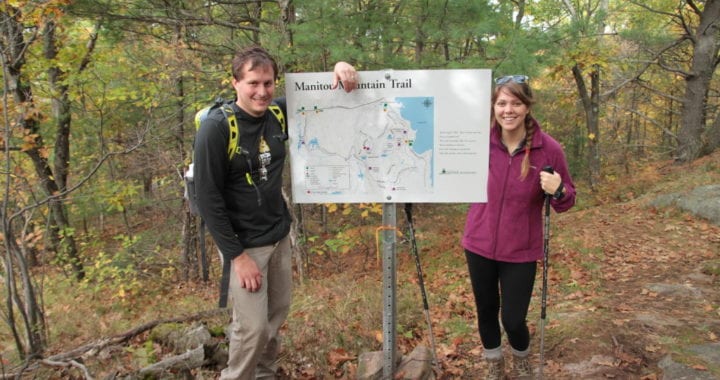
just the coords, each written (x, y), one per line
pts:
(378, 336)
(377, 208)
(591, 136)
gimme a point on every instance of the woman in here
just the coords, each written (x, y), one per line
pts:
(503, 238)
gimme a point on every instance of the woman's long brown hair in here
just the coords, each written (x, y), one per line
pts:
(523, 92)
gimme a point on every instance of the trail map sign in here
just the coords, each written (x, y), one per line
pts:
(401, 136)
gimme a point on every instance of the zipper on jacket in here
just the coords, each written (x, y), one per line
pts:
(502, 206)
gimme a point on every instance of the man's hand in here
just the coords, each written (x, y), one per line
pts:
(345, 73)
(248, 273)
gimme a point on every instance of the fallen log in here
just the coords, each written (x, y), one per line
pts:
(189, 360)
(74, 357)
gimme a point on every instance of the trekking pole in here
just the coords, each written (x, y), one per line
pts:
(546, 241)
(426, 307)
(203, 251)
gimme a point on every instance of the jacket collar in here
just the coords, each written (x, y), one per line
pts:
(495, 135)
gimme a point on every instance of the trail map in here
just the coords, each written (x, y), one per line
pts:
(402, 136)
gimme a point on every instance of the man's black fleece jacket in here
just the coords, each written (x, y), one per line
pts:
(238, 214)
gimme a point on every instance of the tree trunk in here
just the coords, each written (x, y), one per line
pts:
(713, 133)
(61, 109)
(189, 230)
(287, 10)
(705, 58)
(420, 35)
(591, 106)
(520, 13)
(33, 342)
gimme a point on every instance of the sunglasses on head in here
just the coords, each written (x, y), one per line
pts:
(512, 78)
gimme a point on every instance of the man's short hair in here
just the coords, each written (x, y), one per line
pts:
(256, 56)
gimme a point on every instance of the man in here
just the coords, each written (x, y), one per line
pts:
(240, 199)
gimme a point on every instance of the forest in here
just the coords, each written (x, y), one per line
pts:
(98, 103)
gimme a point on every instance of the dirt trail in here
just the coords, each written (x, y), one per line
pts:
(654, 295)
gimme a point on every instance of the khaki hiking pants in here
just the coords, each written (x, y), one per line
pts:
(257, 317)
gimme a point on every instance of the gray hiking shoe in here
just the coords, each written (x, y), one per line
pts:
(521, 368)
(496, 369)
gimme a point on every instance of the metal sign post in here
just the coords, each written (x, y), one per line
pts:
(389, 284)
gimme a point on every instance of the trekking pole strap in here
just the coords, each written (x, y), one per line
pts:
(225, 283)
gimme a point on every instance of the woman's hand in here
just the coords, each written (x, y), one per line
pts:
(550, 182)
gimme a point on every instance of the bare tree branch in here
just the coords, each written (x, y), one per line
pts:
(90, 47)
(570, 8)
(641, 71)
(645, 117)
(655, 91)
(71, 363)
(675, 16)
(95, 347)
(695, 8)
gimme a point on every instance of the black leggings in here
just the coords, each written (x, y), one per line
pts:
(516, 281)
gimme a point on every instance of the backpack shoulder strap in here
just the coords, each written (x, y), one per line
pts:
(275, 109)
(234, 140)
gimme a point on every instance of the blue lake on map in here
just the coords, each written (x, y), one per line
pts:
(419, 111)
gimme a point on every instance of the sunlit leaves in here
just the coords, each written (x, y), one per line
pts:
(29, 142)
(371, 208)
(365, 209)
(120, 194)
(114, 275)
(331, 207)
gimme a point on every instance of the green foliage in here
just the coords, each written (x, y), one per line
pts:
(62, 259)
(120, 194)
(144, 355)
(340, 244)
(159, 333)
(216, 330)
(115, 274)
(457, 326)
(391, 34)
(345, 237)
(712, 268)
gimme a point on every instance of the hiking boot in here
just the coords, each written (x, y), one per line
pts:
(521, 368)
(496, 369)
